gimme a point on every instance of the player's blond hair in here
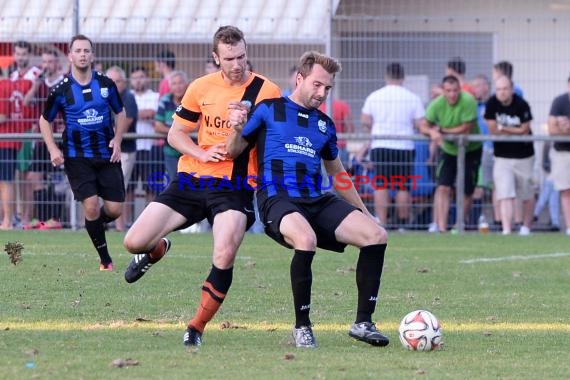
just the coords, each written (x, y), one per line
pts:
(312, 58)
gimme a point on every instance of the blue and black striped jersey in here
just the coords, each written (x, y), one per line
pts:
(291, 141)
(87, 114)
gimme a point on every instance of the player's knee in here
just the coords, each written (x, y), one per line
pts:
(305, 242)
(375, 235)
(133, 244)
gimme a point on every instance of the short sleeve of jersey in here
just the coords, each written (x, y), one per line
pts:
(491, 108)
(367, 107)
(188, 112)
(115, 100)
(558, 107)
(469, 107)
(431, 112)
(330, 150)
(52, 103)
(525, 108)
(257, 119)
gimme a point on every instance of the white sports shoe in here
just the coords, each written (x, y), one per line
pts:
(524, 231)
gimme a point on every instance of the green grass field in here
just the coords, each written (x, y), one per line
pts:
(503, 303)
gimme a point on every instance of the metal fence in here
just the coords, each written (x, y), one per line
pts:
(364, 34)
(50, 199)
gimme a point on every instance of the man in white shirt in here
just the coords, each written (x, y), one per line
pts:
(392, 110)
(146, 163)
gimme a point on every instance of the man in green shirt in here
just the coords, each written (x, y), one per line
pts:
(452, 113)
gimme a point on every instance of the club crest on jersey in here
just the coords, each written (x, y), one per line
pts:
(322, 126)
(303, 141)
(104, 92)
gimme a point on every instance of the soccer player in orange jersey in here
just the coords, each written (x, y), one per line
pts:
(209, 183)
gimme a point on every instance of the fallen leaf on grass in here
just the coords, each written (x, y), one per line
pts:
(120, 363)
(230, 325)
(14, 250)
(289, 356)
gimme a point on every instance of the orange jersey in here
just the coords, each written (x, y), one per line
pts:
(205, 104)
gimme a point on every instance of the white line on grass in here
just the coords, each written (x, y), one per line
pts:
(514, 258)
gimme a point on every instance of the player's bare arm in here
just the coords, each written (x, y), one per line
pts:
(55, 153)
(335, 167)
(235, 143)
(121, 128)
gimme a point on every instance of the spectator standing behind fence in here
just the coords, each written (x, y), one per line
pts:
(484, 190)
(128, 146)
(147, 162)
(16, 117)
(294, 137)
(187, 200)
(559, 125)
(165, 64)
(507, 114)
(12, 120)
(23, 77)
(453, 113)
(505, 68)
(392, 110)
(47, 211)
(163, 119)
(92, 147)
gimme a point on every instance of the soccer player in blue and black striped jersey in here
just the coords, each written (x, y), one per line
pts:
(91, 142)
(292, 138)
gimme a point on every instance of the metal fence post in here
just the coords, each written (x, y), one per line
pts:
(460, 184)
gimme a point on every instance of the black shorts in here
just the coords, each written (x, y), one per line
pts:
(95, 176)
(198, 202)
(145, 166)
(9, 159)
(392, 163)
(324, 213)
(447, 170)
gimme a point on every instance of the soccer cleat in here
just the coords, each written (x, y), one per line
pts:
(140, 264)
(106, 268)
(192, 338)
(367, 332)
(304, 338)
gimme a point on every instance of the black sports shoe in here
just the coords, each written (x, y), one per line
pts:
(140, 264)
(192, 338)
(367, 332)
